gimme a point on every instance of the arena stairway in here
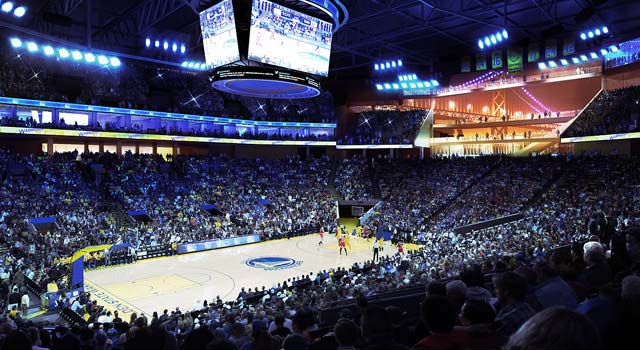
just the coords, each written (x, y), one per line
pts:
(373, 179)
(332, 178)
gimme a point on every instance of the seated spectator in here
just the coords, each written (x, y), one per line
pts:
(377, 330)
(439, 315)
(597, 273)
(477, 319)
(553, 290)
(511, 290)
(556, 328)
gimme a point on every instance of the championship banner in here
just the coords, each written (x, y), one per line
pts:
(533, 53)
(514, 61)
(569, 47)
(465, 66)
(496, 59)
(551, 49)
(481, 62)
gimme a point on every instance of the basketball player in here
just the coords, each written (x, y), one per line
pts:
(343, 245)
(321, 233)
(376, 248)
(400, 248)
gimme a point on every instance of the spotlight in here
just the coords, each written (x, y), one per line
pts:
(575, 60)
(605, 30)
(593, 55)
(376, 67)
(48, 50)
(184, 64)
(147, 42)
(505, 34)
(387, 86)
(190, 64)
(387, 65)
(415, 77)
(613, 49)
(493, 39)
(165, 45)
(604, 52)
(183, 48)
(156, 43)
(420, 85)
(379, 86)
(174, 47)
(31, 46)
(77, 55)
(487, 42)
(395, 86)
(15, 42)
(393, 64)
(583, 58)
(115, 61)
(63, 53)
(480, 44)
(564, 62)
(597, 31)
(103, 60)
(412, 85)
(19, 11)
(583, 36)
(542, 65)
(404, 85)
(434, 83)
(89, 57)
(401, 78)
(499, 37)
(590, 34)
(552, 64)
(7, 7)
(399, 63)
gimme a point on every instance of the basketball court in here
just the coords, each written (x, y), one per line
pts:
(187, 280)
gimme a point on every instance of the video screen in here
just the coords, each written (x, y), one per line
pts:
(219, 36)
(288, 38)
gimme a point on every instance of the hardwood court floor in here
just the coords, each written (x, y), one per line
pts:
(187, 280)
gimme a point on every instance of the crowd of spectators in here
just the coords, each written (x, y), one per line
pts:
(352, 180)
(613, 112)
(384, 127)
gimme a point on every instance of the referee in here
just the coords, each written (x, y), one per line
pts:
(376, 248)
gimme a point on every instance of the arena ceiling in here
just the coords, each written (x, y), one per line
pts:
(429, 34)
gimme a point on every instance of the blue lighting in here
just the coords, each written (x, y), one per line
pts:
(613, 49)
(156, 43)
(499, 37)
(404, 85)
(48, 50)
(103, 60)
(387, 65)
(165, 45)
(184, 64)
(575, 60)
(480, 44)
(387, 86)
(183, 48)
(147, 42)
(604, 52)
(505, 34)
(542, 65)
(564, 62)
(590, 34)
(77, 55)
(435, 83)
(376, 67)
(583, 36)
(379, 86)
(32, 47)
(7, 7)
(412, 85)
(190, 65)
(115, 61)
(583, 58)
(487, 41)
(63, 53)
(552, 64)
(415, 77)
(395, 86)
(399, 63)
(420, 84)
(593, 55)
(427, 84)
(597, 31)
(174, 47)
(19, 11)
(493, 39)
(89, 57)
(605, 30)
(15, 42)
(393, 64)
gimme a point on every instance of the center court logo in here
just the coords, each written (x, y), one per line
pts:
(269, 263)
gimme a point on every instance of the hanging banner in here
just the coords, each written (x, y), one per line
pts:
(514, 61)
(551, 49)
(496, 59)
(569, 47)
(481, 62)
(465, 66)
(533, 53)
